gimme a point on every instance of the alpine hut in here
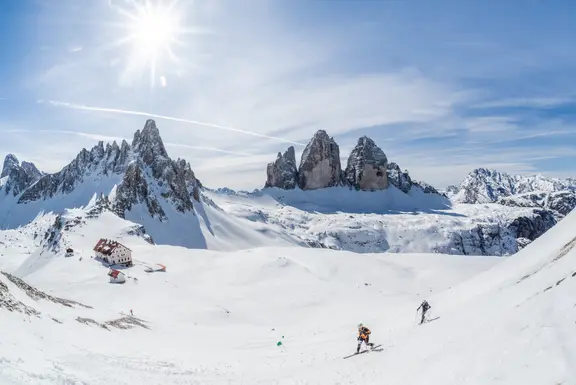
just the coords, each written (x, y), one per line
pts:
(113, 252)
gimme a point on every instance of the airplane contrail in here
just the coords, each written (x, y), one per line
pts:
(165, 117)
(118, 138)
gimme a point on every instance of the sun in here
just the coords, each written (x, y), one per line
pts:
(153, 30)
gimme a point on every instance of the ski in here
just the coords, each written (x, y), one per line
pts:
(428, 320)
(356, 354)
(364, 351)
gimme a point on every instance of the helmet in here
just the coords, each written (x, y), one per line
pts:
(360, 325)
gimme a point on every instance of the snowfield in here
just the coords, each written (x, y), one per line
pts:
(371, 222)
(215, 317)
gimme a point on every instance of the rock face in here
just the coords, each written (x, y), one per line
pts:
(487, 186)
(532, 228)
(193, 184)
(283, 172)
(10, 163)
(18, 177)
(560, 203)
(398, 178)
(367, 166)
(320, 163)
(32, 170)
(134, 190)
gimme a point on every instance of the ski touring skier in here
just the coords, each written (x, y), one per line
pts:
(425, 306)
(363, 336)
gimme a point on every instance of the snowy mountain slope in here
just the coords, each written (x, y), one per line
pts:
(213, 317)
(488, 186)
(511, 324)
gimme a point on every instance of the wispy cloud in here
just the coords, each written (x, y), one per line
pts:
(165, 117)
(533, 102)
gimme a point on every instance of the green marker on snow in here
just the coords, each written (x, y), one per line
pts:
(279, 343)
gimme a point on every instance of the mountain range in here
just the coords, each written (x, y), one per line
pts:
(371, 205)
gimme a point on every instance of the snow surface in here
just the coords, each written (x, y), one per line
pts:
(367, 222)
(215, 317)
(337, 218)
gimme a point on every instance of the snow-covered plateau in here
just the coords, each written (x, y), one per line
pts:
(268, 286)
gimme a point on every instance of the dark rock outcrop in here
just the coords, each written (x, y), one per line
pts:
(532, 227)
(10, 163)
(18, 176)
(134, 190)
(367, 166)
(320, 163)
(283, 172)
(399, 178)
(192, 183)
(561, 203)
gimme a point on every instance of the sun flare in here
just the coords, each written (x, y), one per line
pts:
(153, 31)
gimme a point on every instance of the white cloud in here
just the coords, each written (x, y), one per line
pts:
(537, 102)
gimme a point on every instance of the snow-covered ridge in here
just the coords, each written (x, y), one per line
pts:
(488, 186)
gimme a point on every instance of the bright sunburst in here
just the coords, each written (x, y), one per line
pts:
(153, 30)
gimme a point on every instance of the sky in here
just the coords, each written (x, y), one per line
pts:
(442, 87)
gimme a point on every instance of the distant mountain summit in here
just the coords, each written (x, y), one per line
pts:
(488, 186)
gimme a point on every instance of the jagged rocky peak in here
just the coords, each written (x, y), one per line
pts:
(397, 177)
(367, 166)
(32, 170)
(487, 186)
(10, 163)
(148, 143)
(169, 176)
(19, 175)
(283, 172)
(320, 163)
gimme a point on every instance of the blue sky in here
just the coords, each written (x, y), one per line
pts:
(443, 87)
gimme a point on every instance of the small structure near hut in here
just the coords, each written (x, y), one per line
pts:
(69, 252)
(116, 276)
(156, 267)
(113, 252)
